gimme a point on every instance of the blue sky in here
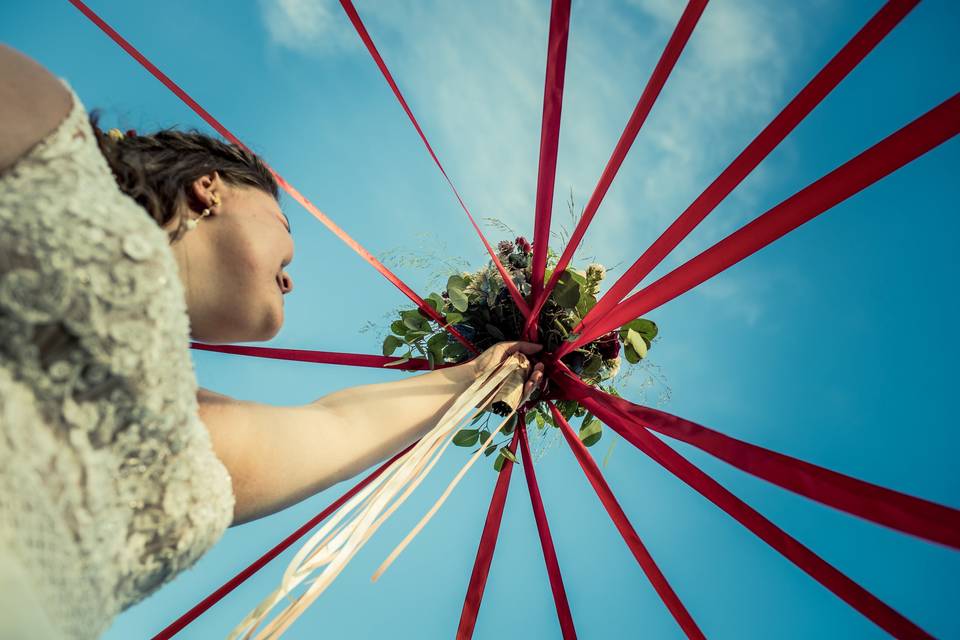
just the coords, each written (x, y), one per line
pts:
(833, 344)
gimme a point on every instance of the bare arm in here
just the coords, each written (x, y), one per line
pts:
(278, 456)
(32, 103)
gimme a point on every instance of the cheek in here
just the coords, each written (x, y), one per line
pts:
(249, 261)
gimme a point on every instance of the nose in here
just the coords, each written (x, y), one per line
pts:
(285, 282)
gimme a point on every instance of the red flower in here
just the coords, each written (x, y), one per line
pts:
(523, 245)
(608, 345)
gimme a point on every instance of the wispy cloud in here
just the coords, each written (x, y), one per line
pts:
(473, 73)
(306, 26)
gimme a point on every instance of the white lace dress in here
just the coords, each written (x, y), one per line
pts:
(108, 483)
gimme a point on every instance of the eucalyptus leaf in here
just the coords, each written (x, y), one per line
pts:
(456, 282)
(505, 450)
(413, 320)
(466, 437)
(390, 345)
(438, 299)
(458, 299)
(455, 286)
(591, 432)
(586, 303)
(437, 340)
(567, 291)
(498, 463)
(398, 327)
(630, 354)
(454, 351)
(644, 327)
(489, 449)
(398, 362)
(592, 366)
(484, 435)
(581, 279)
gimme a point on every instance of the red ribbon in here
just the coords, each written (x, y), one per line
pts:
(630, 536)
(488, 542)
(365, 36)
(177, 625)
(793, 114)
(927, 520)
(549, 142)
(320, 357)
(286, 186)
(913, 140)
(668, 59)
(546, 540)
(819, 569)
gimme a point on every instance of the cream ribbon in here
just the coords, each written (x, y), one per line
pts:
(331, 547)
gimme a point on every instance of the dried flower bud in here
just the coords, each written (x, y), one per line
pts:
(504, 247)
(596, 272)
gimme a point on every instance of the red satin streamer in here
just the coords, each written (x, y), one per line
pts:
(549, 142)
(546, 541)
(368, 41)
(488, 542)
(920, 136)
(319, 357)
(809, 97)
(238, 579)
(671, 53)
(296, 195)
(916, 516)
(630, 536)
(823, 572)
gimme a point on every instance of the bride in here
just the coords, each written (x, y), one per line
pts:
(116, 471)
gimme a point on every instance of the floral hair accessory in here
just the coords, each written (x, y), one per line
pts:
(115, 134)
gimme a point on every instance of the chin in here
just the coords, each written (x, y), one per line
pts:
(272, 322)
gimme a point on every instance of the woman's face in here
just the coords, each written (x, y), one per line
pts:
(233, 263)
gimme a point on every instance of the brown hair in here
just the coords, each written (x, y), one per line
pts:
(157, 169)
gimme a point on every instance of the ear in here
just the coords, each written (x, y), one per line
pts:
(203, 189)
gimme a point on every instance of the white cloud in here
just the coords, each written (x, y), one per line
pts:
(473, 73)
(306, 26)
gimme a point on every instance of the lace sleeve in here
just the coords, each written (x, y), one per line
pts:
(93, 321)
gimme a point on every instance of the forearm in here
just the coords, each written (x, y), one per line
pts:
(278, 456)
(384, 418)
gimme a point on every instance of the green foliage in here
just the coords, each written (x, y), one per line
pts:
(478, 306)
(590, 432)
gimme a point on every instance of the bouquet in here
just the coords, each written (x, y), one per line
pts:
(479, 306)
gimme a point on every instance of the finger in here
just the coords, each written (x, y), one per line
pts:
(523, 347)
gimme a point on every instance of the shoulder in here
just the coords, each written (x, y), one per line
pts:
(32, 103)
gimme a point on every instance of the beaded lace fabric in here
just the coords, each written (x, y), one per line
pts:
(109, 486)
